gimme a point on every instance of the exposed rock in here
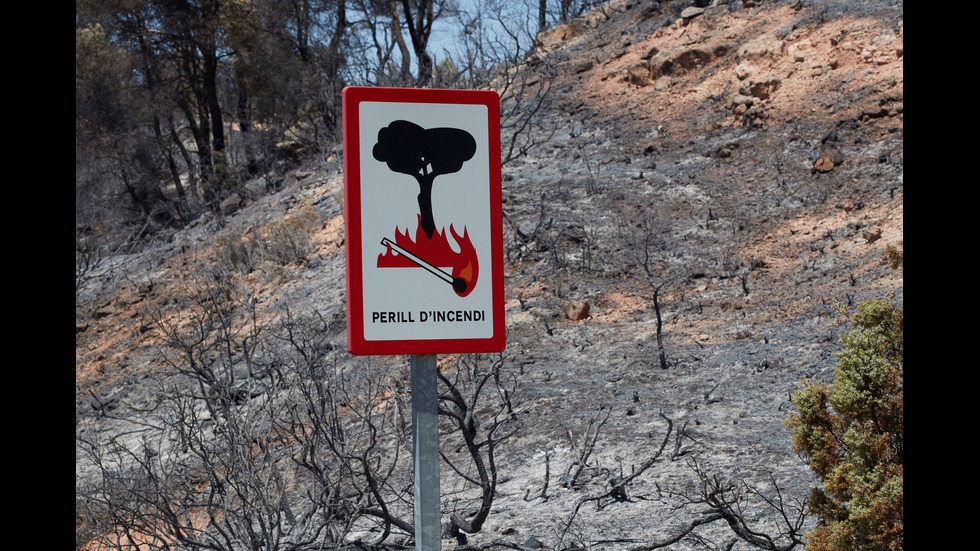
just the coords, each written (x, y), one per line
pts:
(686, 59)
(741, 99)
(638, 74)
(823, 164)
(786, 30)
(761, 52)
(533, 543)
(691, 12)
(257, 186)
(871, 236)
(874, 112)
(104, 312)
(552, 39)
(132, 300)
(723, 48)
(650, 9)
(555, 38)
(231, 204)
(763, 89)
(725, 151)
(829, 158)
(582, 66)
(576, 310)
(743, 71)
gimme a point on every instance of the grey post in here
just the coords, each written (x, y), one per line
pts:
(425, 448)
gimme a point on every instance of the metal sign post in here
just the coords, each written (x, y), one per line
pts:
(425, 449)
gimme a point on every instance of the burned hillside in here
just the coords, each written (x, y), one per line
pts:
(690, 195)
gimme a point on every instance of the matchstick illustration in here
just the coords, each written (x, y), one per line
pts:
(459, 284)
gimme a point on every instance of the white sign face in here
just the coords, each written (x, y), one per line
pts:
(426, 239)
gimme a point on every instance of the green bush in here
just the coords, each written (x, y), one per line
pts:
(851, 433)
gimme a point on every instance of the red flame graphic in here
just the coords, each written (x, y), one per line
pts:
(437, 252)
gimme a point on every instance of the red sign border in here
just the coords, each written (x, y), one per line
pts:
(357, 345)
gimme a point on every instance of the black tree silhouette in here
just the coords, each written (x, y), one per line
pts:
(408, 148)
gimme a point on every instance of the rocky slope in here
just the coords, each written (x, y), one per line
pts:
(756, 148)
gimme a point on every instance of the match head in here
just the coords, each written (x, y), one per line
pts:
(459, 285)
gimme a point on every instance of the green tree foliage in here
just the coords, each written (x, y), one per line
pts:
(895, 256)
(852, 434)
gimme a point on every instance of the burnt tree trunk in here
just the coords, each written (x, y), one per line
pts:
(661, 351)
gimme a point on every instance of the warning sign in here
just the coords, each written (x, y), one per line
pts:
(424, 239)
